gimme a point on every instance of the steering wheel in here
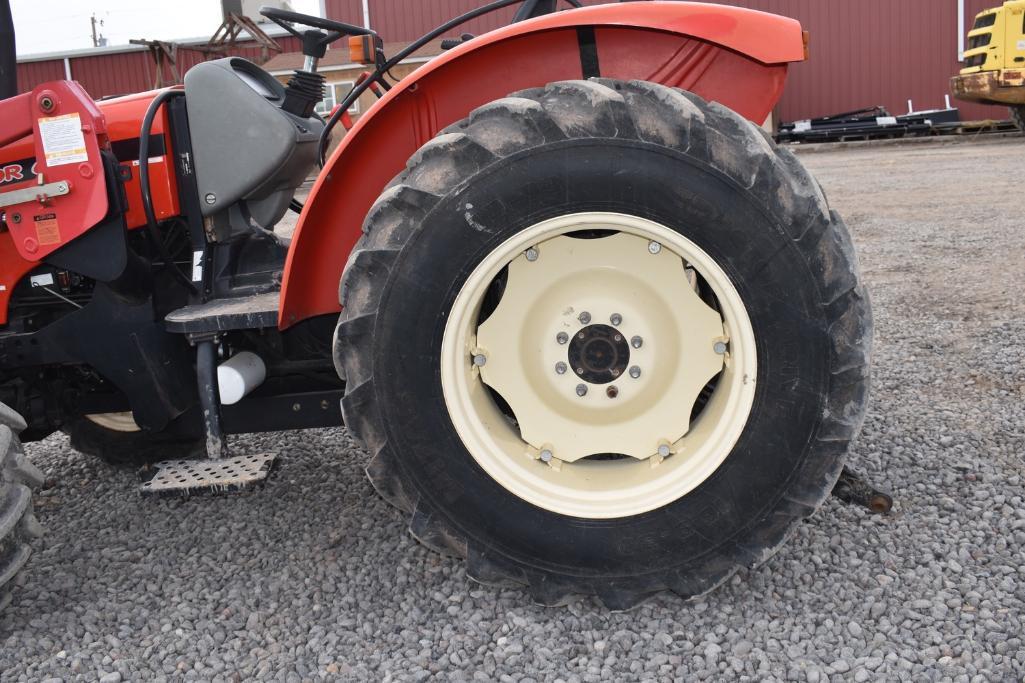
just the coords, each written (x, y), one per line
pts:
(285, 19)
(314, 42)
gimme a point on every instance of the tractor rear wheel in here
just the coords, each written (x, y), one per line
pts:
(1018, 116)
(604, 338)
(117, 440)
(18, 526)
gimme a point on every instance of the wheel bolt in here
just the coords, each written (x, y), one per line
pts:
(663, 451)
(635, 371)
(720, 348)
(560, 368)
(636, 342)
(584, 318)
(612, 391)
(616, 319)
(654, 247)
(562, 337)
(480, 359)
(581, 390)
(546, 455)
(532, 254)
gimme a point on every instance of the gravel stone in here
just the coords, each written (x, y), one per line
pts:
(315, 578)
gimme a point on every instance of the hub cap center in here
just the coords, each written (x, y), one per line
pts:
(599, 354)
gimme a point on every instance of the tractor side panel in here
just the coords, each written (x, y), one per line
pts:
(447, 89)
(123, 118)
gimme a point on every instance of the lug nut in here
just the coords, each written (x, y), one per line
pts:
(635, 372)
(584, 318)
(532, 254)
(581, 390)
(616, 319)
(612, 391)
(480, 359)
(654, 247)
(546, 455)
(663, 451)
(562, 337)
(560, 368)
(720, 348)
(636, 342)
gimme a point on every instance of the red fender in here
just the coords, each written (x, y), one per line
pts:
(735, 56)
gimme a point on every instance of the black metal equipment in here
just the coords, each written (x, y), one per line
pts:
(871, 123)
(8, 53)
(852, 488)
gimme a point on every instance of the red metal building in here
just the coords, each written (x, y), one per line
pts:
(863, 52)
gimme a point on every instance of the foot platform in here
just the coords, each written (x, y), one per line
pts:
(221, 475)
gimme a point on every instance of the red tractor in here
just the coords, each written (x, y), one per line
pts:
(598, 334)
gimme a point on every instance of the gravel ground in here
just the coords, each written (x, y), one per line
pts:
(314, 577)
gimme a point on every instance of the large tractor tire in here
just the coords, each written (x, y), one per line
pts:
(1018, 116)
(18, 526)
(117, 440)
(604, 338)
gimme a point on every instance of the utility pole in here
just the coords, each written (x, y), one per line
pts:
(98, 39)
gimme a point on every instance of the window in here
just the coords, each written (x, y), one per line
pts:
(333, 94)
(985, 21)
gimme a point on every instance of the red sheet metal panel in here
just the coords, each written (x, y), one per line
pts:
(31, 74)
(351, 12)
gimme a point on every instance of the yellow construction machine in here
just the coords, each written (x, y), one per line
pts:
(994, 62)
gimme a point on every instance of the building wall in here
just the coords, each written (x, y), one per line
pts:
(869, 52)
(398, 21)
(31, 74)
(863, 52)
(121, 73)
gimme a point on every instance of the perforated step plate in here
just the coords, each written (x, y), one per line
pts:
(187, 477)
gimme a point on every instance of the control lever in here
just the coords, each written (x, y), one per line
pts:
(306, 87)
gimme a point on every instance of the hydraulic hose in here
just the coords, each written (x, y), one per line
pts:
(147, 197)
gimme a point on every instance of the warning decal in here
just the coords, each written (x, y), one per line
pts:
(47, 230)
(63, 142)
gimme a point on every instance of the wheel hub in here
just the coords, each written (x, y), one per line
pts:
(599, 354)
(548, 318)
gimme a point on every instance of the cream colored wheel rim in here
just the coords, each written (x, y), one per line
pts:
(116, 422)
(568, 307)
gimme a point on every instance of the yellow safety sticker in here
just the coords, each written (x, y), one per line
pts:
(63, 141)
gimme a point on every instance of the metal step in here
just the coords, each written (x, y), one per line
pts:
(185, 477)
(222, 315)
